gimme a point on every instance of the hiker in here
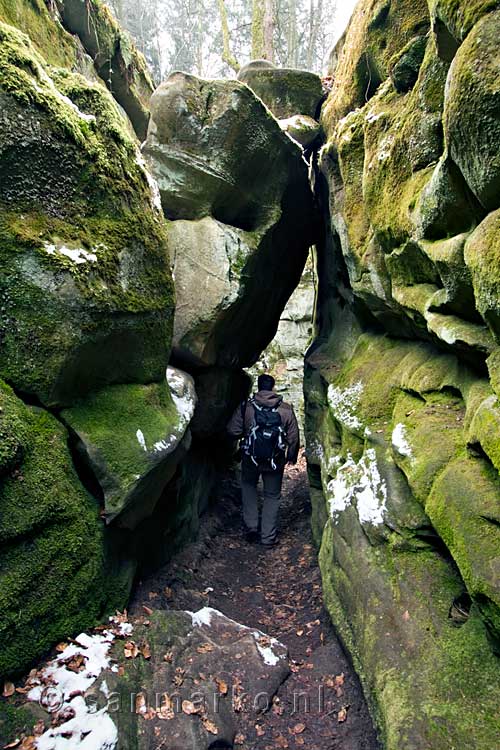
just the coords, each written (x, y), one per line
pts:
(270, 439)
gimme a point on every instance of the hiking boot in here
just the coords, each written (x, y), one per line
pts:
(271, 544)
(252, 537)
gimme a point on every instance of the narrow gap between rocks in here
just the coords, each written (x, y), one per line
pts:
(320, 705)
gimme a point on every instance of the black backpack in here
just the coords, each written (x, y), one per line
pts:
(265, 443)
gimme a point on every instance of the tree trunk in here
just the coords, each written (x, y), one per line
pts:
(292, 57)
(227, 55)
(257, 29)
(268, 31)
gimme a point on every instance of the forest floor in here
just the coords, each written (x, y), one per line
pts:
(320, 706)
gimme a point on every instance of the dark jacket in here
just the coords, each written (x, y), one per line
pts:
(238, 426)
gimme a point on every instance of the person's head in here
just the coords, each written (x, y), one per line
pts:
(265, 383)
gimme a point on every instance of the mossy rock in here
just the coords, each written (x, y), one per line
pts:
(406, 68)
(53, 578)
(458, 17)
(85, 272)
(131, 438)
(472, 111)
(481, 257)
(117, 61)
(285, 91)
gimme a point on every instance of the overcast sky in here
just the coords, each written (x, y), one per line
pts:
(342, 16)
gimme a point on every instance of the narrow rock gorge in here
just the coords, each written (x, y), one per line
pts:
(159, 247)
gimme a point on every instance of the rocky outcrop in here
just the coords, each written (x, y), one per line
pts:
(401, 402)
(286, 91)
(116, 60)
(236, 190)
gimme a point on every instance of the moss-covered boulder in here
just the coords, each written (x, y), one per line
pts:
(472, 111)
(85, 276)
(285, 91)
(305, 130)
(117, 61)
(481, 256)
(237, 188)
(131, 438)
(387, 429)
(53, 579)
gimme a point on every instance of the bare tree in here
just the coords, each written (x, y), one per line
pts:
(227, 55)
(263, 29)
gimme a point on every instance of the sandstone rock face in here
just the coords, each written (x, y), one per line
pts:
(284, 357)
(85, 273)
(302, 129)
(401, 385)
(286, 91)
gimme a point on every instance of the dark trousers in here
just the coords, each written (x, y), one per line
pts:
(272, 481)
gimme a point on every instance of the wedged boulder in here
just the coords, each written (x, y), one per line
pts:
(117, 61)
(132, 438)
(228, 173)
(53, 577)
(472, 111)
(387, 430)
(85, 271)
(285, 91)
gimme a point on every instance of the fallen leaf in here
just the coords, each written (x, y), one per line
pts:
(8, 689)
(29, 743)
(61, 647)
(342, 714)
(189, 708)
(260, 730)
(168, 657)
(298, 728)
(146, 650)
(221, 685)
(205, 648)
(209, 726)
(300, 632)
(39, 728)
(281, 741)
(130, 650)
(147, 610)
(406, 616)
(140, 703)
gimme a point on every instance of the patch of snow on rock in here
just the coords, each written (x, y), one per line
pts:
(183, 393)
(400, 441)
(153, 185)
(359, 483)
(61, 688)
(141, 440)
(343, 402)
(77, 255)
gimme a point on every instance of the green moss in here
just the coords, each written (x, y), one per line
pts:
(52, 564)
(45, 32)
(481, 257)
(460, 16)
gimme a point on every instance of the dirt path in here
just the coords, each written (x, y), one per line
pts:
(321, 705)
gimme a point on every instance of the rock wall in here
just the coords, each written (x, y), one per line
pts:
(109, 451)
(401, 384)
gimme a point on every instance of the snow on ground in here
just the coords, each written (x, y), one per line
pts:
(265, 644)
(77, 255)
(61, 684)
(359, 483)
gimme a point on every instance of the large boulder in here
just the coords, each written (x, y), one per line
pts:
(53, 579)
(132, 438)
(86, 284)
(286, 91)
(237, 189)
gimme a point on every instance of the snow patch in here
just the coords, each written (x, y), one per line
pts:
(343, 402)
(400, 441)
(85, 728)
(141, 440)
(359, 483)
(183, 397)
(77, 255)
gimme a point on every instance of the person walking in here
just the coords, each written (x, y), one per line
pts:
(268, 429)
